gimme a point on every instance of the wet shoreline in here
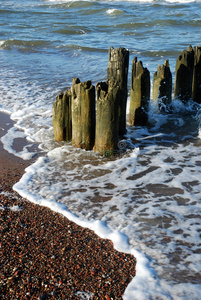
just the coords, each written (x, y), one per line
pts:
(46, 256)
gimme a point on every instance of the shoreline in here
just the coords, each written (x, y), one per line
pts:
(10, 165)
(46, 256)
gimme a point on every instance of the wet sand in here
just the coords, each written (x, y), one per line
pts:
(46, 256)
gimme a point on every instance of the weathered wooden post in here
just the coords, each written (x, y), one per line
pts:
(118, 68)
(107, 117)
(83, 114)
(162, 85)
(196, 87)
(140, 94)
(62, 117)
(184, 75)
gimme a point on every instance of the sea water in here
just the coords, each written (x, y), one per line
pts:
(147, 199)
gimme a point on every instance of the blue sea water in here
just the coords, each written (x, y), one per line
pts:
(148, 200)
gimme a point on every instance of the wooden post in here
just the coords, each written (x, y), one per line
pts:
(107, 117)
(140, 94)
(184, 75)
(118, 68)
(196, 87)
(62, 117)
(162, 85)
(83, 114)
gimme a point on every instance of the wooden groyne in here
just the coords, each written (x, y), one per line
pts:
(95, 117)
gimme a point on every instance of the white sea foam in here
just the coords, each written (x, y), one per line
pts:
(2, 43)
(199, 135)
(84, 295)
(181, 1)
(114, 11)
(15, 208)
(8, 139)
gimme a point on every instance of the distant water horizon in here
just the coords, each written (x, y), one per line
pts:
(147, 200)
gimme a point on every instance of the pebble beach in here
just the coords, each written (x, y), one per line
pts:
(46, 256)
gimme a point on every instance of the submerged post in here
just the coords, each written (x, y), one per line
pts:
(62, 117)
(196, 87)
(107, 117)
(118, 68)
(140, 94)
(162, 85)
(83, 114)
(184, 75)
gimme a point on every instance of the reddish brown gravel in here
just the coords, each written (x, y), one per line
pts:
(43, 255)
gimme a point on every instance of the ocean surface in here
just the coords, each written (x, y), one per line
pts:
(147, 199)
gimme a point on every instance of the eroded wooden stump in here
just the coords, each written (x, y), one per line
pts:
(107, 117)
(196, 87)
(118, 69)
(184, 75)
(83, 114)
(162, 85)
(62, 117)
(140, 94)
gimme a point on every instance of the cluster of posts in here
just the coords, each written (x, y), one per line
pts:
(98, 124)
